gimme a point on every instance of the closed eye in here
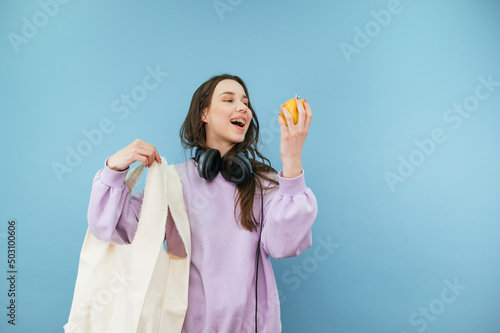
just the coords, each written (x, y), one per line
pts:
(230, 100)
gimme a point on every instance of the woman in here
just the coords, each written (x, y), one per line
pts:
(222, 214)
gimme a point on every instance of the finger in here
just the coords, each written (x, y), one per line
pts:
(281, 122)
(301, 111)
(152, 157)
(138, 143)
(158, 158)
(288, 116)
(308, 114)
(143, 160)
(147, 146)
(150, 152)
(143, 153)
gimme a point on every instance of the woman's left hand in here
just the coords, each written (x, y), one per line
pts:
(293, 137)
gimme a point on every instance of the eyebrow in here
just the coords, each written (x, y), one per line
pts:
(232, 93)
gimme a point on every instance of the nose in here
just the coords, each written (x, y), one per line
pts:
(242, 107)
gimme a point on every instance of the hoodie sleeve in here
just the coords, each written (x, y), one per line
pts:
(113, 213)
(289, 213)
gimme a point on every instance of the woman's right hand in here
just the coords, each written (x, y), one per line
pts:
(138, 150)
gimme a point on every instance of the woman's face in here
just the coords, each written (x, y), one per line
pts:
(229, 102)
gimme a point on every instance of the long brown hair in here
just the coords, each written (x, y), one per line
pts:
(193, 135)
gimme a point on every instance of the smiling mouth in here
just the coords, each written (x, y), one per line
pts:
(238, 122)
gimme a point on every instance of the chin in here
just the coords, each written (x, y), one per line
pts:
(238, 140)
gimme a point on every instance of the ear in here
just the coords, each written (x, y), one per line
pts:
(204, 115)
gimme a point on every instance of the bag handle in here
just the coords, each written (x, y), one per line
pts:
(132, 176)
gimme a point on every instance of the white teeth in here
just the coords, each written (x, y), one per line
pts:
(239, 120)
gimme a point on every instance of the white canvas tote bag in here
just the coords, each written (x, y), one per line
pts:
(138, 287)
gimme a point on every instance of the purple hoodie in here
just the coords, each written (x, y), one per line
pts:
(221, 296)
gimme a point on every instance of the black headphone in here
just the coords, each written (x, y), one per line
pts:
(238, 171)
(210, 163)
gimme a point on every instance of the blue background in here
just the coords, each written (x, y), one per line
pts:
(397, 248)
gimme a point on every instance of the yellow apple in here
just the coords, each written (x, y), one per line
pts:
(291, 106)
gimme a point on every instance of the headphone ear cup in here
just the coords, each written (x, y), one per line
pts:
(198, 153)
(209, 164)
(199, 158)
(241, 169)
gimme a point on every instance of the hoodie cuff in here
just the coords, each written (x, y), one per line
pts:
(115, 179)
(291, 186)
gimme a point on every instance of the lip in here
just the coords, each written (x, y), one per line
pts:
(239, 128)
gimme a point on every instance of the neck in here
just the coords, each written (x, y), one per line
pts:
(223, 148)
